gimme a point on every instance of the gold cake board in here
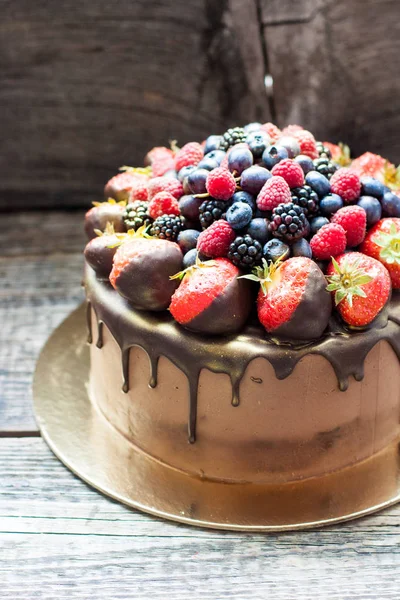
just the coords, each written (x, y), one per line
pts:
(92, 449)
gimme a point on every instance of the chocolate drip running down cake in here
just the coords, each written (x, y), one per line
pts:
(243, 306)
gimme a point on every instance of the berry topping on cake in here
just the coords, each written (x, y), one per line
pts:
(291, 294)
(216, 239)
(163, 203)
(142, 269)
(329, 241)
(353, 219)
(221, 184)
(275, 191)
(290, 171)
(103, 213)
(383, 243)
(346, 183)
(211, 299)
(165, 184)
(189, 154)
(136, 215)
(360, 286)
(289, 222)
(167, 227)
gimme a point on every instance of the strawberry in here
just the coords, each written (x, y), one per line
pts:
(103, 213)
(189, 154)
(120, 186)
(353, 219)
(340, 153)
(99, 252)
(211, 298)
(369, 164)
(293, 302)
(141, 271)
(383, 243)
(360, 286)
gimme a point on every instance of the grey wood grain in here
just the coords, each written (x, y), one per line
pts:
(59, 539)
(88, 86)
(335, 69)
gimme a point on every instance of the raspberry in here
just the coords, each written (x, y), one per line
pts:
(165, 184)
(139, 190)
(274, 191)
(220, 184)
(307, 143)
(161, 159)
(353, 219)
(120, 186)
(291, 130)
(163, 203)
(329, 241)
(346, 183)
(273, 131)
(189, 154)
(291, 172)
(214, 241)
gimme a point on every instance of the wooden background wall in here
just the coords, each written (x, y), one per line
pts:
(88, 85)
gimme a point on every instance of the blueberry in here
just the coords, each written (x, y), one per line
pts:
(217, 155)
(212, 143)
(184, 172)
(274, 154)
(197, 181)
(189, 207)
(250, 127)
(190, 258)
(207, 163)
(372, 187)
(239, 159)
(317, 223)
(275, 249)
(302, 248)
(305, 162)
(291, 145)
(258, 229)
(262, 214)
(257, 142)
(330, 204)
(372, 207)
(390, 205)
(187, 239)
(239, 215)
(319, 183)
(253, 179)
(244, 197)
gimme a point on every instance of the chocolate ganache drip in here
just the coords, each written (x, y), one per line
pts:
(158, 334)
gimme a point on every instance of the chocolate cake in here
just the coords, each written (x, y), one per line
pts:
(243, 307)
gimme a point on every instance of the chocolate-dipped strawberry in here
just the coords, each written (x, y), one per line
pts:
(131, 184)
(141, 271)
(102, 213)
(99, 251)
(211, 299)
(293, 302)
(360, 286)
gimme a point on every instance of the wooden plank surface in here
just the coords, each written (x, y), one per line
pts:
(86, 87)
(335, 69)
(59, 539)
(41, 270)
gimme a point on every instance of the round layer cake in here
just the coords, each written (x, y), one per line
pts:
(243, 306)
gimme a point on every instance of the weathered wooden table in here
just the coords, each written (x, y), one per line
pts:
(60, 539)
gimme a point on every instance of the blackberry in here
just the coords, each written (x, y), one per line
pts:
(289, 222)
(167, 227)
(211, 210)
(325, 166)
(245, 251)
(306, 198)
(231, 137)
(136, 215)
(323, 150)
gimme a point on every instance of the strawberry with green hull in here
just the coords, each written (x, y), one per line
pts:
(102, 213)
(99, 252)
(293, 302)
(360, 286)
(382, 242)
(141, 271)
(211, 299)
